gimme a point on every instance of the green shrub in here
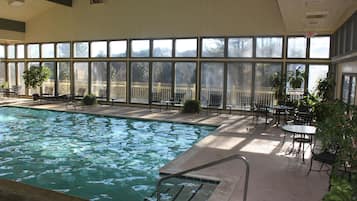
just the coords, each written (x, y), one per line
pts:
(341, 190)
(89, 100)
(191, 106)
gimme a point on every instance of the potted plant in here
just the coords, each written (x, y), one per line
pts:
(326, 88)
(278, 86)
(296, 79)
(34, 77)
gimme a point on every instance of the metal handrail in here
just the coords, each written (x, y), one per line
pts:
(229, 158)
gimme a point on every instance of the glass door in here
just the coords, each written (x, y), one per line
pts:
(348, 94)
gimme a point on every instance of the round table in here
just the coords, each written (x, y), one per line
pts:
(302, 130)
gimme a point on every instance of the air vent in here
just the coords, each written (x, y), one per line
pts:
(316, 15)
(96, 2)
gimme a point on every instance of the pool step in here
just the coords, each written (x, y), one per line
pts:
(184, 191)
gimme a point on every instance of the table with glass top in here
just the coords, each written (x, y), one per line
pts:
(305, 135)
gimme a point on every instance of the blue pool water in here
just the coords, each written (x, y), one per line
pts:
(93, 157)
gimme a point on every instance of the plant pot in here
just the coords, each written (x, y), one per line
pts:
(35, 97)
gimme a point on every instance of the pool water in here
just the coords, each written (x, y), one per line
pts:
(93, 157)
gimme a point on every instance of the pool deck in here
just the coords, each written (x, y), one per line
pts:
(275, 174)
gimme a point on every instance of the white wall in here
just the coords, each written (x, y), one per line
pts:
(156, 18)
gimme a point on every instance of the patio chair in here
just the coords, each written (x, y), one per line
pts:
(327, 157)
(177, 99)
(261, 110)
(214, 102)
(80, 92)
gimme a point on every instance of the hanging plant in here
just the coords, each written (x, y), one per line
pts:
(296, 79)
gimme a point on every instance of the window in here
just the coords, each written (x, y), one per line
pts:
(48, 86)
(118, 48)
(139, 82)
(118, 81)
(295, 81)
(213, 47)
(186, 47)
(2, 72)
(99, 79)
(162, 48)
(161, 81)
(2, 51)
(269, 47)
(63, 50)
(33, 51)
(320, 47)
(212, 84)
(239, 85)
(240, 47)
(316, 73)
(11, 74)
(80, 79)
(64, 78)
(20, 79)
(265, 74)
(140, 48)
(11, 51)
(185, 80)
(98, 49)
(296, 47)
(48, 50)
(80, 49)
(20, 51)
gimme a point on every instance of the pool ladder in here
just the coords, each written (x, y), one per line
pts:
(210, 164)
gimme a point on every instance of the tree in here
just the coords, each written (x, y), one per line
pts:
(35, 76)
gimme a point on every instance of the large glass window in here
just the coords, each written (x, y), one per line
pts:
(139, 82)
(295, 81)
(186, 47)
(63, 50)
(98, 49)
(2, 51)
(48, 50)
(99, 79)
(213, 47)
(349, 88)
(20, 79)
(11, 51)
(320, 47)
(296, 47)
(240, 47)
(64, 78)
(20, 51)
(80, 50)
(48, 86)
(269, 47)
(316, 73)
(265, 74)
(2, 72)
(185, 80)
(212, 84)
(239, 85)
(80, 79)
(162, 48)
(161, 81)
(118, 81)
(33, 51)
(140, 48)
(118, 48)
(11, 74)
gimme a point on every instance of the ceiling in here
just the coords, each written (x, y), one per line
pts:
(301, 16)
(30, 9)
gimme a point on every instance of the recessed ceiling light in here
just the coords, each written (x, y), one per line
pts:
(16, 2)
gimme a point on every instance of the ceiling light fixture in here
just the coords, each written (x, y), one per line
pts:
(16, 2)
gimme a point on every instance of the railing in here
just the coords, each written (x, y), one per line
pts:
(213, 163)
